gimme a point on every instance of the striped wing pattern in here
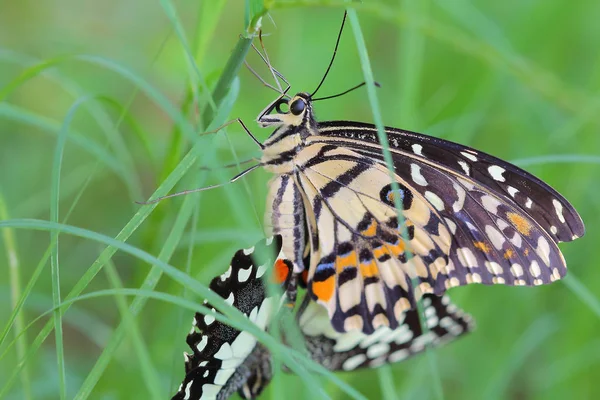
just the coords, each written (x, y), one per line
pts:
(466, 217)
(225, 360)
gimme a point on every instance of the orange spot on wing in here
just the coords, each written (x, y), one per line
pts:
(526, 252)
(324, 289)
(369, 269)
(396, 249)
(379, 251)
(519, 222)
(281, 271)
(371, 230)
(509, 253)
(349, 260)
(482, 246)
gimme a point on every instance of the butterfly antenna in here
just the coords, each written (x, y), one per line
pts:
(202, 189)
(345, 92)
(337, 43)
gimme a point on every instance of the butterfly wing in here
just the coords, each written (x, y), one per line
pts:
(459, 230)
(551, 211)
(225, 360)
(352, 350)
(360, 270)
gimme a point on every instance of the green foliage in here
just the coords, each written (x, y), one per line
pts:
(104, 104)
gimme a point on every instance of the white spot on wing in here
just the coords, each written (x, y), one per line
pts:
(202, 344)
(466, 257)
(496, 173)
(416, 148)
(348, 341)
(451, 224)
(353, 362)
(210, 391)
(378, 350)
(209, 319)
(543, 250)
(229, 300)
(461, 194)
(528, 203)
(468, 155)
(269, 240)
(490, 203)
(248, 251)
(516, 270)
(415, 173)
(559, 210)
(227, 274)
(465, 167)
(493, 267)
(535, 269)
(512, 191)
(399, 355)
(435, 200)
(187, 390)
(225, 352)
(243, 345)
(495, 236)
(244, 274)
(516, 240)
(261, 271)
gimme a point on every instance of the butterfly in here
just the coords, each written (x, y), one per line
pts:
(225, 360)
(465, 216)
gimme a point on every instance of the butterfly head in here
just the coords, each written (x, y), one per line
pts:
(284, 111)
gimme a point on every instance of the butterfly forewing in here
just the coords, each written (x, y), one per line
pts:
(533, 197)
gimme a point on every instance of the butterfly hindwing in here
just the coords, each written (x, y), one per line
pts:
(225, 360)
(352, 350)
(360, 270)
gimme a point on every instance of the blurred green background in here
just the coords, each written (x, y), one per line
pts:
(518, 79)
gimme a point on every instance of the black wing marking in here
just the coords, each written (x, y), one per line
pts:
(541, 202)
(225, 360)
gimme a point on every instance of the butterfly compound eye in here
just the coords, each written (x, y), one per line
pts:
(297, 107)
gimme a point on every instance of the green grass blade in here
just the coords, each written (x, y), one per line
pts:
(296, 361)
(27, 117)
(410, 59)
(387, 156)
(386, 382)
(580, 290)
(171, 12)
(151, 376)
(102, 118)
(10, 244)
(534, 337)
(54, 258)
